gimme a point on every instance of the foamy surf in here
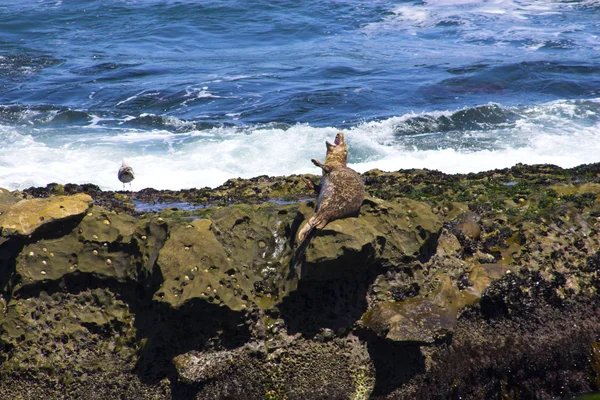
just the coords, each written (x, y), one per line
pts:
(474, 139)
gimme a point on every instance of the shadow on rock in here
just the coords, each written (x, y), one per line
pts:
(167, 332)
(335, 266)
(332, 304)
(9, 250)
(396, 363)
(11, 246)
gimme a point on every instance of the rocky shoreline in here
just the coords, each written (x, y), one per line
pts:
(478, 286)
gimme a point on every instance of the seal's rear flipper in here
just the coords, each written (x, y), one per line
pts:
(306, 229)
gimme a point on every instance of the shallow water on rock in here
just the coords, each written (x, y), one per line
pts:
(156, 207)
(286, 202)
(141, 206)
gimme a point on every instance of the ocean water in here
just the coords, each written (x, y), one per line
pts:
(194, 93)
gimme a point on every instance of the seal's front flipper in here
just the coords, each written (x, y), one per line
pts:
(317, 163)
(324, 167)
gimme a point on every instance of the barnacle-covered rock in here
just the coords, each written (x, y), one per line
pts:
(444, 286)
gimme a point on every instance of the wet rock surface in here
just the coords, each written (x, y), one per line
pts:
(445, 286)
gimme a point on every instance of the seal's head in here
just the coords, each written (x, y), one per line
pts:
(337, 153)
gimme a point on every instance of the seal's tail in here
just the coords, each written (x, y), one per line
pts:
(316, 221)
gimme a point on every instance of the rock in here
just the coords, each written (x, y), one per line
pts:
(408, 226)
(7, 199)
(102, 227)
(197, 367)
(69, 335)
(570, 189)
(26, 216)
(470, 229)
(458, 211)
(411, 299)
(194, 265)
(238, 259)
(48, 260)
(342, 248)
(99, 246)
(291, 368)
(258, 242)
(412, 320)
(482, 276)
(448, 244)
(384, 234)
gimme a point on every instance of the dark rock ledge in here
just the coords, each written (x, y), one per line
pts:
(479, 286)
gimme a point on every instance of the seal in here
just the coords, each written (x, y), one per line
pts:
(341, 190)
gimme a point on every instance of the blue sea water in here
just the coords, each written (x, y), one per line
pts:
(195, 92)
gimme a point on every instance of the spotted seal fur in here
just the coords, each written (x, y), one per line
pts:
(341, 189)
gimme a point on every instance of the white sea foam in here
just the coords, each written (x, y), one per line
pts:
(544, 150)
(194, 93)
(476, 20)
(563, 133)
(136, 96)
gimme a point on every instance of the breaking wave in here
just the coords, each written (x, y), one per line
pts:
(45, 144)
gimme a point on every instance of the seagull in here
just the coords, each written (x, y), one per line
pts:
(126, 174)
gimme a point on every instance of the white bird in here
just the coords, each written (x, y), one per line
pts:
(126, 174)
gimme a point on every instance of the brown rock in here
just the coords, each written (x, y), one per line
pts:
(26, 216)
